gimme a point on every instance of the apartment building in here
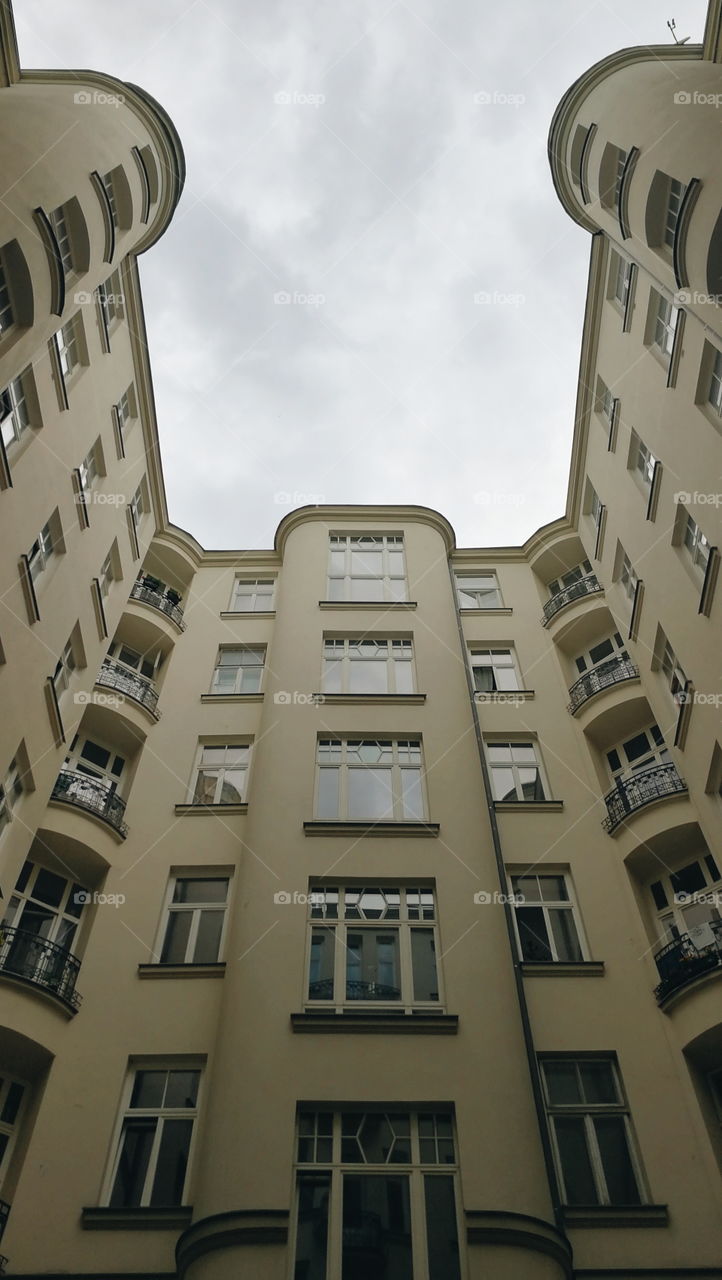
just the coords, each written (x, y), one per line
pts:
(362, 896)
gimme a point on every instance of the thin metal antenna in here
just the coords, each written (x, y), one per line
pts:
(673, 28)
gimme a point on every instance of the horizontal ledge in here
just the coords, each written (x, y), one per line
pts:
(607, 1215)
(210, 810)
(56, 803)
(382, 606)
(237, 1227)
(244, 614)
(182, 970)
(486, 613)
(531, 806)
(334, 828)
(372, 699)
(232, 697)
(562, 969)
(355, 1022)
(104, 1219)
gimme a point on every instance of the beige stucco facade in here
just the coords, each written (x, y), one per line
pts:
(206, 758)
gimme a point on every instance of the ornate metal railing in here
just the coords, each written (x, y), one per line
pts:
(323, 990)
(638, 789)
(587, 586)
(44, 964)
(615, 671)
(681, 961)
(92, 794)
(113, 675)
(159, 599)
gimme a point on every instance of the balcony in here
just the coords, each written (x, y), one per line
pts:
(44, 964)
(639, 789)
(151, 591)
(93, 795)
(587, 586)
(681, 962)
(113, 675)
(616, 671)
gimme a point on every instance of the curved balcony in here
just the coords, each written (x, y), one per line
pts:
(681, 962)
(43, 964)
(92, 795)
(113, 675)
(587, 586)
(323, 990)
(639, 789)
(150, 591)
(615, 671)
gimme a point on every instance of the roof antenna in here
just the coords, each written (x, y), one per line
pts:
(673, 28)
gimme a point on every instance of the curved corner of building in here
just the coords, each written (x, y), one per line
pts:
(174, 167)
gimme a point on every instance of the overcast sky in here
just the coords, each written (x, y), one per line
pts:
(382, 163)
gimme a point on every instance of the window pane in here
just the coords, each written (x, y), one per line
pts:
(148, 1088)
(208, 939)
(562, 1083)
(320, 978)
(367, 589)
(332, 677)
(176, 938)
(598, 1083)
(368, 677)
(170, 1169)
(574, 1157)
(404, 677)
(372, 965)
(412, 798)
(369, 794)
(200, 890)
(618, 1171)
(565, 936)
(376, 1224)
(441, 1229)
(314, 1193)
(423, 961)
(533, 934)
(328, 785)
(182, 1088)
(232, 788)
(503, 784)
(136, 1141)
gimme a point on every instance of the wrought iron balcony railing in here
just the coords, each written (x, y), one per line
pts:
(615, 671)
(323, 990)
(42, 963)
(680, 962)
(587, 586)
(639, 789)
(92, 794)
(113, 675)
(159, 598)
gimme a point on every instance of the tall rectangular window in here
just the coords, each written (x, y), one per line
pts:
(7, 314)
(665, 317)
(108, 183)
(674, 675)
(369, 779)
(151, 1163)
(674, 204)
(696, 544)
(68, 347)
(221, 774)
(627, 575)
(515, 771)
(494, 670)
(253, 595)
(591, 1132)
(195, 918)
(59, 223)
(546, 919)
(478, 591)
(11, 788)
(367, 665)
(644, 750)
(14, 412)
(67, 662)
(714, 395)
(47, 544)
(367, 567)
(238, 670)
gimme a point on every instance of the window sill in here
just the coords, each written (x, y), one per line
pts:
(370, 699)
(384, 605)
(562, 969)
(510, 696)
(486, 613)
(212, 810)
(103, 1219)
(248, 613)
(530, 806)
(216, 970)
(368, 1022)
(607, 1215)
(334, 827)
(231, 697)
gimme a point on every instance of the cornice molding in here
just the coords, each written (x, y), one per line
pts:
(330, 516)
(9, 56)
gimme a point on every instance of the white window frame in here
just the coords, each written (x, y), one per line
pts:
(664, 327)
(256, 663)
(567, 579)
(263, 598)
(11, 1128)
(481, 595)
(47, 544)
(397, 766)
(68, 345)
(621, 279)
(59, 222)
(67, 663)
(109, 186)
(7, 310)
(675, 196)
(11, 788)
(584, 661)
(139, 668)
(194, 909)
(159, 1113)
(671, 669)
(627, 576)
(394, 585)
(695, 543)
(671, 917)
(126, 409)
(14, 407)
(342, 653)
(547, 905)
(657, 753)
(714, 393)
(516, 767)
(66, 924)
(642, 462)
(242, 766)
(79, 764)
(500, 658)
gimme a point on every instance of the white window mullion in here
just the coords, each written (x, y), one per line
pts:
(406, 969)
(192, 934)
(153, 1158)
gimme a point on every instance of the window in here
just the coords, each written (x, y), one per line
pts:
(66, 665)
(109, 185)
(94, 760)
(126, 409)
(627, 575)
(238, 671)
(367, 567)
(664, 316)
(572, 576)
(714, 395)
(110, 301)
(610, 175)
(11, 788)
(546, 919)
(109, 571)
(605, 401)
(676, 679)
(515, 771)
(643, 751)
(591, 1132)
(221, 775)
(47, 544)
(378, 1185)
(367, 666)
(696, 543)
(478, 591)
(593, 505)
(7, 314)
(377, 944)
(68, 347)
(494, 670)
(143, 664)
(674, 204)
(608, 650)
(688, 901)
(620, 278)
(253, 596)
(140, 503)
(91, 467)
(151, 1165)
(12, 1095)
(642, 461)
(196, 913)
(14, 412)
(46, 908)
(58, 221)
(367, 779)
